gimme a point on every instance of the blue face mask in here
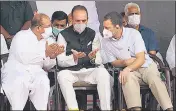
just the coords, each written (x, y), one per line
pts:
(56, 31)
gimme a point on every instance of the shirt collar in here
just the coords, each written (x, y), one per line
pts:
(141, 28)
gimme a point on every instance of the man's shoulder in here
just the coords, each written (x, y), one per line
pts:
(131, 31)
(90, 30)
(23, 33)
(146, 29)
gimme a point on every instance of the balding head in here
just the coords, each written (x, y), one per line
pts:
(40, 20)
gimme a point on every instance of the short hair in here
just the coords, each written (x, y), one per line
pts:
(131, 4)
(38, 20)
(59, 15)
(122, 14)
(79, 7)
(115, 18)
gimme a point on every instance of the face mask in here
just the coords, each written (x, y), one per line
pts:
(134, 20)
(56, 31)
(107, 33)
(47, 33)
(79, 27)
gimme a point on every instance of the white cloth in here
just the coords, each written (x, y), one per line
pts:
(23, 72)
(4, 48)
(98, 76)
(170, 54)
(130, 42)
(67, 6)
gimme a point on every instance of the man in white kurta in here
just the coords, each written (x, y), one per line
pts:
(80, 60)
(24, 73)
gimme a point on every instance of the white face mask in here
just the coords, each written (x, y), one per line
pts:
(107, 33)
(134, 20)
(47, 33)
(79, 27)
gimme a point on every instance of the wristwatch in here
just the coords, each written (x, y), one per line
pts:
(92, 61)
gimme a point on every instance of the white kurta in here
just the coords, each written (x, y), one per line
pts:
(170, 54)
(4, 48)
(23, 72)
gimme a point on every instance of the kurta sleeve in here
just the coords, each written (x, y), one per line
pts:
(62, 59)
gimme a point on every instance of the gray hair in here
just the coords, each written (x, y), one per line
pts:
(115, 18)
(131, 4)
(38, 20)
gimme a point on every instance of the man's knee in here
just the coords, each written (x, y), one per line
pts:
(103, 73)
(152, 77)
(131, 77)
(44, 81)
(63, 75)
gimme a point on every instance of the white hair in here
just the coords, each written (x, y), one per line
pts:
(131, 4)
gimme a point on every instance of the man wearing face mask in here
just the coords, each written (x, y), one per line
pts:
(23, 75)
(59, 22)
(82, 61)
(125, 47)
(133, 15)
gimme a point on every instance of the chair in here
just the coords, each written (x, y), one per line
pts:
(173, 78)
(79, 87)
(4, 103)
(148, 101)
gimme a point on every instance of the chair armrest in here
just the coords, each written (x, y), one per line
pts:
(155, 58)
(173, 72)
(167, 71)
(54, 69)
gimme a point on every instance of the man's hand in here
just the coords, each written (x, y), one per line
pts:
(92, 54)
(53, 50)
(123, 75)
(58, 50)
(129, 61)
(77, 55)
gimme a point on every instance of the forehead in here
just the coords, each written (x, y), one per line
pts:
(79, 14)
(59, 21)
(107, 23)
(133, 9)
(46, 21)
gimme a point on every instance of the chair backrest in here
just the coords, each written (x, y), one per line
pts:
(4, 58)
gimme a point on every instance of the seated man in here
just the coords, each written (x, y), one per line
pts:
(24, 73)
(125, 48)
(82, 61)
(124, 19)
(59, 22)
(133, 16)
